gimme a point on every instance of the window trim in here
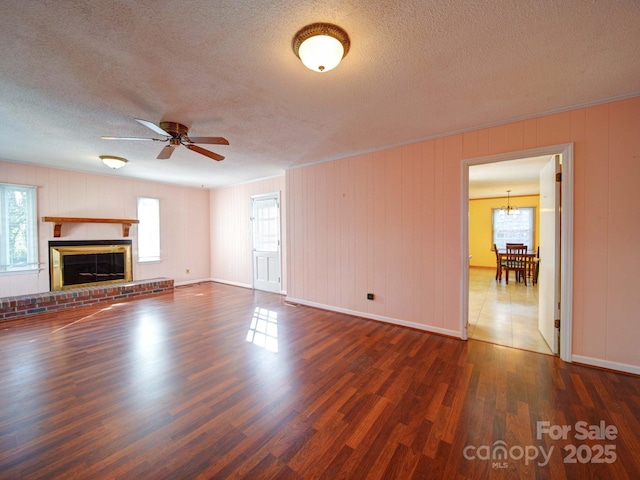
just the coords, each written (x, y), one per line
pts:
(141, 233)
(32, 236)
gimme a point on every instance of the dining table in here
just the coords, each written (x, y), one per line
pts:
(532, 261)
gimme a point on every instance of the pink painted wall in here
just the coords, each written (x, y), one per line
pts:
(389, 223)
(231, 230)
(184, 221)
(376, 223)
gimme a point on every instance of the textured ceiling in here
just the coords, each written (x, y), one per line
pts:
(71, 71)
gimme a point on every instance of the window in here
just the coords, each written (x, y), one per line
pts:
(18, 228)
(514, 228)
(148, 229)
(265, 235)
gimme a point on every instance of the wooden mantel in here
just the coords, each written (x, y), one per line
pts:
(58, 221)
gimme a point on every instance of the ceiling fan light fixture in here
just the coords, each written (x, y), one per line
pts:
(174, 133)
(321, 46)
(113, 162)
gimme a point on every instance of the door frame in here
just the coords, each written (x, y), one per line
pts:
(262, 196)
(566, 239)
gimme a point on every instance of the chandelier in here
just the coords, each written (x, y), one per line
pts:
(509, 210)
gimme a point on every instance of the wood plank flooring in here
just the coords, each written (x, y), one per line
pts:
(216, 381)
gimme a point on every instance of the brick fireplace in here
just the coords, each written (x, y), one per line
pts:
(49, 302)
(85, 273)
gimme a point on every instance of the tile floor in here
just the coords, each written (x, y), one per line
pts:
(504, 314)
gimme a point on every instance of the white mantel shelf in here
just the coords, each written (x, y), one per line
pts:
(58, 221)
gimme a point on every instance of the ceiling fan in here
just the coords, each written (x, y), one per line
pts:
(176, 134)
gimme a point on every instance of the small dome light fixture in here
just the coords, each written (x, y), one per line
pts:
(113, 162)
(321, 46)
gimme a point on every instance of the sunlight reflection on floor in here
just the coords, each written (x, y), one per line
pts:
(263, 330)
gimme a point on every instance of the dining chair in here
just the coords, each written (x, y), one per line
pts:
(499, 263)
(536, 267)
(514, 245)
(516, 259)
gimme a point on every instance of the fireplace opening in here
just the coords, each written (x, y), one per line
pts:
(87, 263)
(94, 267)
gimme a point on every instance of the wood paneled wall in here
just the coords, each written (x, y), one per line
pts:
(375, 223)
(231, 230)
(389, 223)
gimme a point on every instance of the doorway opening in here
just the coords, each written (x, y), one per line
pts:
(556, 314)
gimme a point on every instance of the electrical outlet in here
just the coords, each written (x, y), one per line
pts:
(369, 296)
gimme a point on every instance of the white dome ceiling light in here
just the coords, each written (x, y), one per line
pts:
(113, 162)
(321, 46)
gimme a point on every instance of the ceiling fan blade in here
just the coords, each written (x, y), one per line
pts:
(132, 138)
(153, 127)
(165, 152)
(209, 140)
(205, 152)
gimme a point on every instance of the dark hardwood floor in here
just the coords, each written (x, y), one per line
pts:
(216, 381)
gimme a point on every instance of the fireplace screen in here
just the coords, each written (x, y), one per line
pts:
(75, 264)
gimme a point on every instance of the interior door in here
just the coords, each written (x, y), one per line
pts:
(265, 222)
(549, 266)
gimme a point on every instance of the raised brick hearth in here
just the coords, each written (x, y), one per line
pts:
(23, 305)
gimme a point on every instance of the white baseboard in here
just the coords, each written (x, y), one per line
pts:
(238, 284)
(596, 362)
(380, 318)
(228, 282)
(191, 282)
